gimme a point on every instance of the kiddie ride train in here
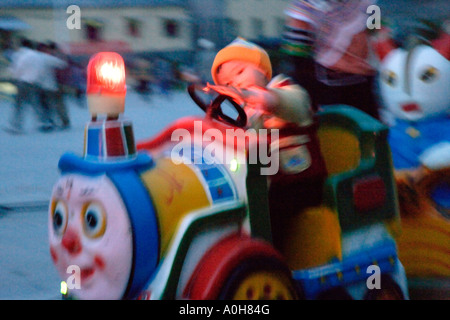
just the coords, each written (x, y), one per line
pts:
(141, 223)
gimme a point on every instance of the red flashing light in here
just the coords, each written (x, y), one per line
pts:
(106, 74)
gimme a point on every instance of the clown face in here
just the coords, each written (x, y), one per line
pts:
(414, 84)
(89, 228)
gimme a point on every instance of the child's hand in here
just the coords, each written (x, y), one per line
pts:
(232, 92)
(254, 97)
(260, 98)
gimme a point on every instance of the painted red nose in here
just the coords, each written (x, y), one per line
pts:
(71, 242)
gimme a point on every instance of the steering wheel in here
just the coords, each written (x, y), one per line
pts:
(214, 108)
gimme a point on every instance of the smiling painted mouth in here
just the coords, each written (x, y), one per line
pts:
(86, 273)
(411, 107)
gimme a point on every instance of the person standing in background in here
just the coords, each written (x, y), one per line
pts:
(164, 75)
(26, 72)
(327, 43)
(56, 68)
(77, 81)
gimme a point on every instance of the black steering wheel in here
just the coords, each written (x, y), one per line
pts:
(214, 108)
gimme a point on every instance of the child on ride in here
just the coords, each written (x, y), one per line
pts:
(243, 71)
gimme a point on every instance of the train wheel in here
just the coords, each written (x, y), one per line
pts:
(259, 279)
(389, 290)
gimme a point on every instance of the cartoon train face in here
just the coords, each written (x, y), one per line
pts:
(91, 225)
(90, 228)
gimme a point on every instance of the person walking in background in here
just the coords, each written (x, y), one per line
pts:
(142, 74)
(26, 72)
(56, 70)
(327, 43)
(77, 81)
(164, 75)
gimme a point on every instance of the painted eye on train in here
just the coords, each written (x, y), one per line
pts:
(93, 220)
(390, 77)
(429, 74)
(59, 217)
(440, 194)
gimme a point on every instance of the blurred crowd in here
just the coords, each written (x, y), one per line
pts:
(325, 48)
(40, 73)
(155, 75)
(43, 76)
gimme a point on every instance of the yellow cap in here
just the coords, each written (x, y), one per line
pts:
(243, 50)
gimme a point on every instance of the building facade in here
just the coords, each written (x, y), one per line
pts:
(144, 26)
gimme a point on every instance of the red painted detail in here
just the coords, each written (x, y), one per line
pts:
(369, 193)
(71, 242)
(86, 273)
(99, 262)
(114, 141)
(382, 48)
(410, 107)
(442, 45)
(53, 254)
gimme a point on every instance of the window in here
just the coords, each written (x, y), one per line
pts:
(93, 29)
(133, 27)
(279, 26)
(232, 27)
(257, 26)
(171, 28)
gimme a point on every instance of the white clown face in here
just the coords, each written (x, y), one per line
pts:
(89, 231)
(414, 84)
